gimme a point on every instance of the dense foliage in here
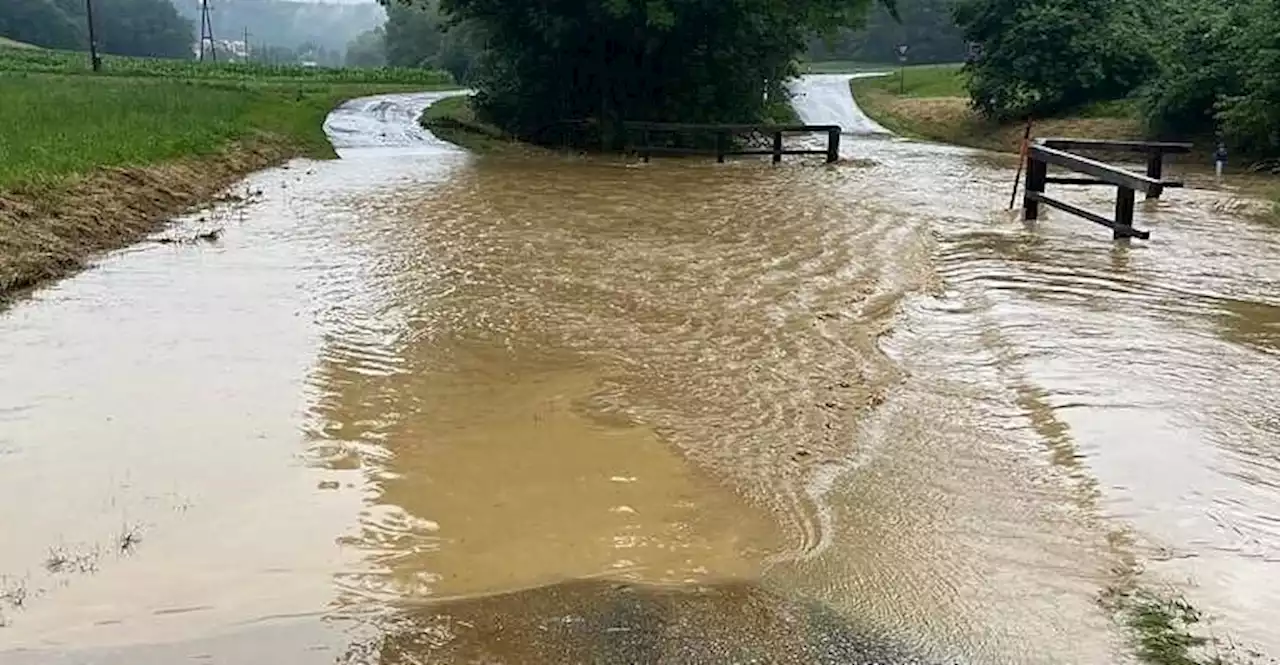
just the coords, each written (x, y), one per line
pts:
(605, 61)
(419, 36)
(1219, 73)
(1044, 57)
(369, 49)
(40, 22)
(925, 26)
(124, 27)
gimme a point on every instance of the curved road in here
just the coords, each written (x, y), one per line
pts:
(412, 392)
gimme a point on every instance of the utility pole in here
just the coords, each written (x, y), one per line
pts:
(206, 32)
(94, 60)
(246, 44)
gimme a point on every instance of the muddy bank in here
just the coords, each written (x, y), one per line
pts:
(47, 234)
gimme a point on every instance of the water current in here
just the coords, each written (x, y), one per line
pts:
(416, 405)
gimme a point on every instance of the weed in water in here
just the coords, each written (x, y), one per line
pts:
(130, 537)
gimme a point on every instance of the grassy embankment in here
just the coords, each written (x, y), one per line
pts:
(94, 162)
(933, 105)
(453, 120)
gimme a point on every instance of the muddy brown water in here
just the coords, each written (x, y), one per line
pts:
(417, 406)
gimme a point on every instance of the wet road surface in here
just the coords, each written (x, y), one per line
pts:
(548, 409)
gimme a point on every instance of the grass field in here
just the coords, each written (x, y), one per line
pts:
(931, 102)
(842, 67)
(40, 61)
(5, 42)
(60, 121)
(89, 163)
(60, 126)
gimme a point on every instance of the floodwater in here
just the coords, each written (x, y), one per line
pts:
(418, 406)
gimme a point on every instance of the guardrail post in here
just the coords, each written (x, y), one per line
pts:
(1124, 213)
(833, 146)
(647, 139)
(1155, 169)
(1037, 171)
(777, 147)
(722, 141)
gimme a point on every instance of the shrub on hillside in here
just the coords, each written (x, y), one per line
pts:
(1045, 57)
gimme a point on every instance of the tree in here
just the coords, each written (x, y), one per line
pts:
(1219, 73)
(925, 25)
(1044, 57)
(419, 36)
(413, 34)
(369, 49)
(150, 28)
(604, 61)
(40, 22)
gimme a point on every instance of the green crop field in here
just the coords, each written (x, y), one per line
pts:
(40, 61)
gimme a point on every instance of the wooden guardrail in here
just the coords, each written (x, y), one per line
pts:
(663, 138)
(1154, 150)
(1054, 151)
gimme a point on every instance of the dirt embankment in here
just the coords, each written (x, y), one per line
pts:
(951, 120)
(49, 233)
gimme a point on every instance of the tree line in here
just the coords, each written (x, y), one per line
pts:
(150, 28)
(1190, 67)
(924, 26)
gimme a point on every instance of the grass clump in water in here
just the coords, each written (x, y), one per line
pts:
(1165, 631)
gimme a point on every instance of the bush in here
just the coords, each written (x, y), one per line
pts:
(1219, 73)
(1044, 57)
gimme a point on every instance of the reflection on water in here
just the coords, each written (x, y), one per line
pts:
(536, 409)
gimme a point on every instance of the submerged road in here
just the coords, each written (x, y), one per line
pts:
(421, 405)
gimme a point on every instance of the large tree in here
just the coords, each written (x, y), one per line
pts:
(1219, 73)
(925, 26)
(550, 61)
(151, 28)
(1043, 57)
(40, 22)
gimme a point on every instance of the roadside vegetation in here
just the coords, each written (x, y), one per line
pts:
(454, 120)
(931, 102)
(40, 61)
(595, 65)
(93, 162)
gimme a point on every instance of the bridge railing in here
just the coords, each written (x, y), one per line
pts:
(1055, 151)
(1154, 150)
(664, 138)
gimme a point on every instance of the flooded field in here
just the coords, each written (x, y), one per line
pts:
(419, 406)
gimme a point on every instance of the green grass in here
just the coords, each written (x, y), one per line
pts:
(453, 120)
(931, 102)
(920, 81)
(62, 120)
(5, 42)
(842, 67)
(42, 61)
(60, 126)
